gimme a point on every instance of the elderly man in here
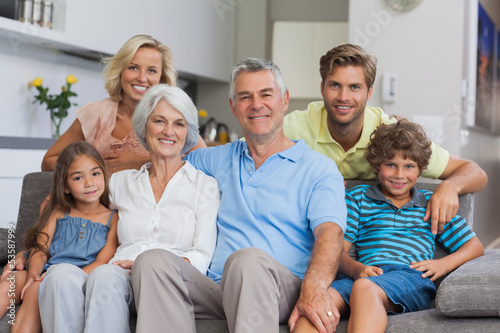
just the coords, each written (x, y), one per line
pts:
(280, 227)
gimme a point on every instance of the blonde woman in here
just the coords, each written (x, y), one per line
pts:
(141, 63)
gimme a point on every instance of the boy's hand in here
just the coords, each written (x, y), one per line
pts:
(366, 271)
(432, 269)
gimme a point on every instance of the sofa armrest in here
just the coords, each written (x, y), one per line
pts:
(4, 245)
(472, 289)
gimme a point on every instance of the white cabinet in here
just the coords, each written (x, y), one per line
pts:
(297, 48)
(202, 40)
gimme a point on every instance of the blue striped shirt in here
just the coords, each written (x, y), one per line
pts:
(384, 234)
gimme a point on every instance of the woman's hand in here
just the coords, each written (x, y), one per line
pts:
(125, 264)
(15, 264)
(432, 269)
(125, 160)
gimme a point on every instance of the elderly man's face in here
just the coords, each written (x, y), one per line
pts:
(258, 104)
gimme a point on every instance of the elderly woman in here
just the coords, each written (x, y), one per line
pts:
(167, 205)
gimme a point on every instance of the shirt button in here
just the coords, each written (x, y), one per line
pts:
(81, 237)
(81, 233)
(83, 225)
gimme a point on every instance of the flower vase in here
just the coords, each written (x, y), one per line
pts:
(55, 126)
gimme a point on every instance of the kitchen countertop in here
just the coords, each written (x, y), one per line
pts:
(13, 142)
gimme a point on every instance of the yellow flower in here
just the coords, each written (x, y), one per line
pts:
(37, 82)
(203, 113)
(71, 79)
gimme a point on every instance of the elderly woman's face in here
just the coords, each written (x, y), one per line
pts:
(166, 131)
(143, 72)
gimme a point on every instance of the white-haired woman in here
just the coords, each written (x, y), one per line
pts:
(167, 204)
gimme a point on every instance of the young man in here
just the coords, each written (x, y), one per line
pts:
(280, 227)
(340, 127)
(395, 246)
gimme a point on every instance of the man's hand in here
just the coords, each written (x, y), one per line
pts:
(317, 305)
(315, 302)
(15, 264)
(442, 206)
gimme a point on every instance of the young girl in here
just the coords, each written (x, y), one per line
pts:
(76, 227)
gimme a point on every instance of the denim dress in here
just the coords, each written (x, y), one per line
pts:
(77, 241)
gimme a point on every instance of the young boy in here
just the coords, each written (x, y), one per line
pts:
(395, 246)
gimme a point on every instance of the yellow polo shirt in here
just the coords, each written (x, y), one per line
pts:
(311, 125)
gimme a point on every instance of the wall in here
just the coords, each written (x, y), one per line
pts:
(196, 30)
(430, 59)
(20, 118)
(250, 26)
(202, 42)
(485, 149)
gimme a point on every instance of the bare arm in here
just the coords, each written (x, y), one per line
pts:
(434, 269)
(459, 177)
(125, 160)
(73, 134)
(38, 259)
(354, 269)
(315, 301)
(129, 160)
(107, 252)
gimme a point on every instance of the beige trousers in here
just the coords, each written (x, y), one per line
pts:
(256, 293)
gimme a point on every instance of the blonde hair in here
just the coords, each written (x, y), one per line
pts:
(116, 64)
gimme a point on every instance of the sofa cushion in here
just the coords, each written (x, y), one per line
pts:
(472, 290)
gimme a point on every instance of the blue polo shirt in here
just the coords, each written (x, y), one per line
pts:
(385, 234)
(274, 208)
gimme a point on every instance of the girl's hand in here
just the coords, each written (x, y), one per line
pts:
(432, 269)
(15, 264)
(29, 281)
(40, 278)
(366, 271)
(126, 264)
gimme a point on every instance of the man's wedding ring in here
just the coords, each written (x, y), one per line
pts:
(329, 313)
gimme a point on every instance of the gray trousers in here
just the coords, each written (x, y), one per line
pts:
(72, 301)
(256, 293)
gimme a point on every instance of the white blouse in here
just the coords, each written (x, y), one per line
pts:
(183, 221)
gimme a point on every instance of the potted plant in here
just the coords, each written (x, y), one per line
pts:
(58, 105)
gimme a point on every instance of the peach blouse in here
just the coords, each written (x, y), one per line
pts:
(98, 121)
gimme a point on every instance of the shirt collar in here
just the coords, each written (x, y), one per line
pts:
(294, 153)
(188, 168)
(370, 123)
(141, 171)
(418, 198)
